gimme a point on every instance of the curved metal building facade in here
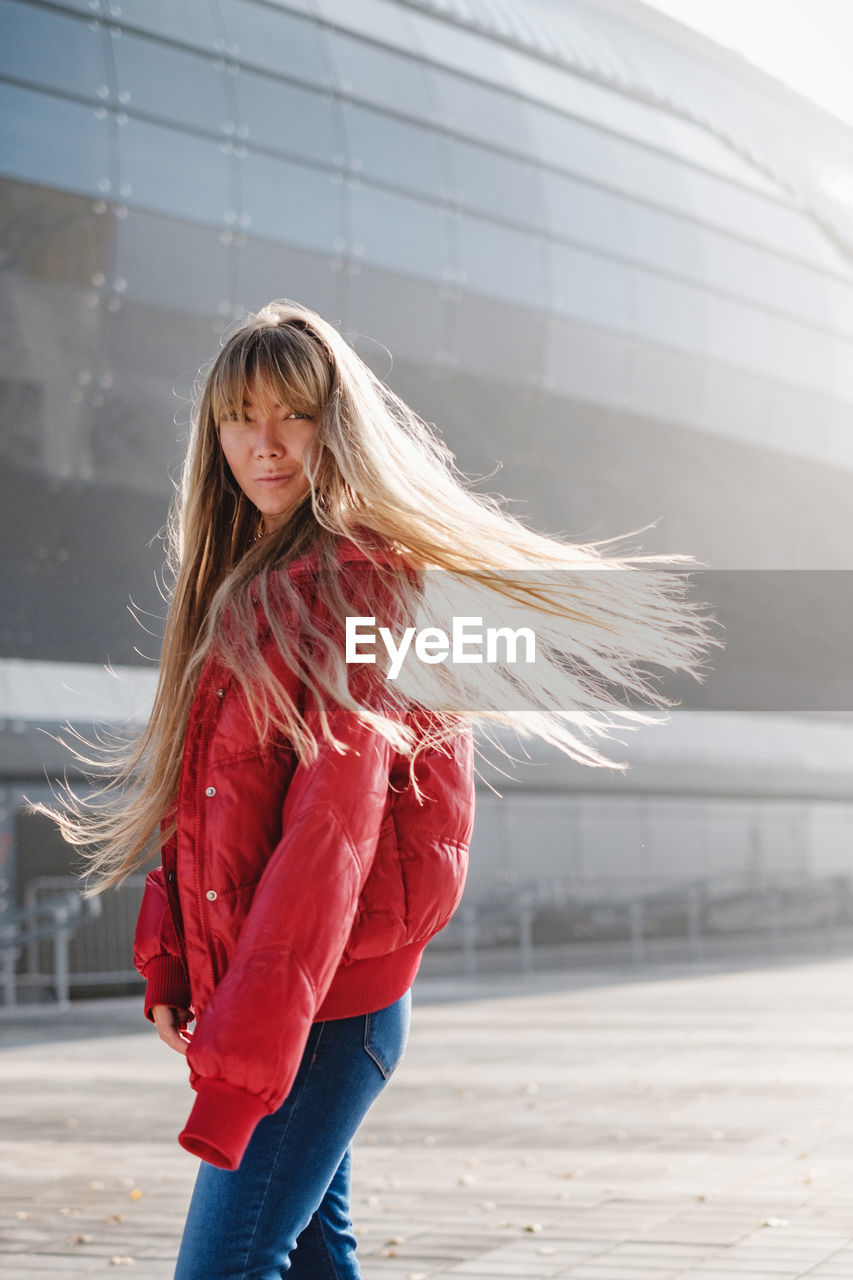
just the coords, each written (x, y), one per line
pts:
(588, 244)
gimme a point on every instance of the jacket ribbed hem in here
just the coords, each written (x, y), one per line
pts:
(367, 985)
(166, 983)
(221, 1123)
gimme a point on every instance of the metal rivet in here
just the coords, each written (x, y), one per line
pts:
(211, 895)
(210, 791)
(220, 693)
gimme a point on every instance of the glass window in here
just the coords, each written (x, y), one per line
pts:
(278, 41)
(652, 126)
(501, 262)
(588, 288)
(54, 142)
(138, 430)
(267, 269)
(839, 305)
(799, 355)
(176, 172)
(614, 162)
(400, 233)
(774, 225)
(91, 8)
(776, 283)
(669, 313)
(691, 319)
(52, 236)
(193, 24)
(304, 6)
(586, 151)
(452, 46)
(725, 264)
(389, 79)
(406, 154)
(173, 264)
(840, 385)
(52, 49)
(480, 112)
(715, 260)
(699, 147)
(557, 87)
(496, 183)
(383, 20)
(675, 243)
(180, 87)
(736, 267)
(279, 115)
(289, 202)
(578, 211)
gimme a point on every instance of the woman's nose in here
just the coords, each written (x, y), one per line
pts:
(267, 438)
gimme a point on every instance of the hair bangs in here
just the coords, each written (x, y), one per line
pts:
(275, 365)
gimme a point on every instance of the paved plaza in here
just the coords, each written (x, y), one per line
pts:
(601, 1124)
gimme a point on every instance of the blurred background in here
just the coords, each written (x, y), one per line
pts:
(605, 247)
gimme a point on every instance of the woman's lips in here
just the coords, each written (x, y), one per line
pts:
(272, 481)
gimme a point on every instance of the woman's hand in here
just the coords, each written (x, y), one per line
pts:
(171, 1026)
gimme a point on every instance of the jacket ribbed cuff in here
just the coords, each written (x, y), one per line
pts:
(167, 983)
(221, 1123)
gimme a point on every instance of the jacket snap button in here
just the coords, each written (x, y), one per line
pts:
(210, 791)
(211, 895)
(220, 693)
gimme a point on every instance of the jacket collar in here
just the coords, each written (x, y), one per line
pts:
(348, 551)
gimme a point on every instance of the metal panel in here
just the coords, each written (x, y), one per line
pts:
(53, 50)
(178, 173)
(395, 151)
(399, 233)
(174, 85)
(501, 262)
(192, 24)
(285, 118)
(52, 142)
(275, 40)
(383, 77)
(292, 203)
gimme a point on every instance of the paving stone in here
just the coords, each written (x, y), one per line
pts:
(600, 1125)
(12, 1271)
(607, 1270)
(732, 1273)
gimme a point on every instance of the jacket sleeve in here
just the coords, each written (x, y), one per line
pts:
(249, 1039)
(156, 950)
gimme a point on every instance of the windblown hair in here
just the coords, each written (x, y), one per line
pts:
(380, 477)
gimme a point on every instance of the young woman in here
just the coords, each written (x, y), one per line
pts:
(313, 813)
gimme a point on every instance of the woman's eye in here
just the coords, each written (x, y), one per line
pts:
(244, 419)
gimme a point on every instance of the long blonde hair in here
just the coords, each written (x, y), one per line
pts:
(380, 477)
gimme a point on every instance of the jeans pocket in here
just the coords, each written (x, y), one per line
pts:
(386, 1033)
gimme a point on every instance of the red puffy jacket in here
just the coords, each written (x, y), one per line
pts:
(292, 892)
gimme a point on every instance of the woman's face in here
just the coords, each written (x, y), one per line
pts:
(264, 448)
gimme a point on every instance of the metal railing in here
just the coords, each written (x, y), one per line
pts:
(52, 921)
(98, 957)
(699, 917)
(514, 924)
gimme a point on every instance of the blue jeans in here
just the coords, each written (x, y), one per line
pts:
(285, 1211)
